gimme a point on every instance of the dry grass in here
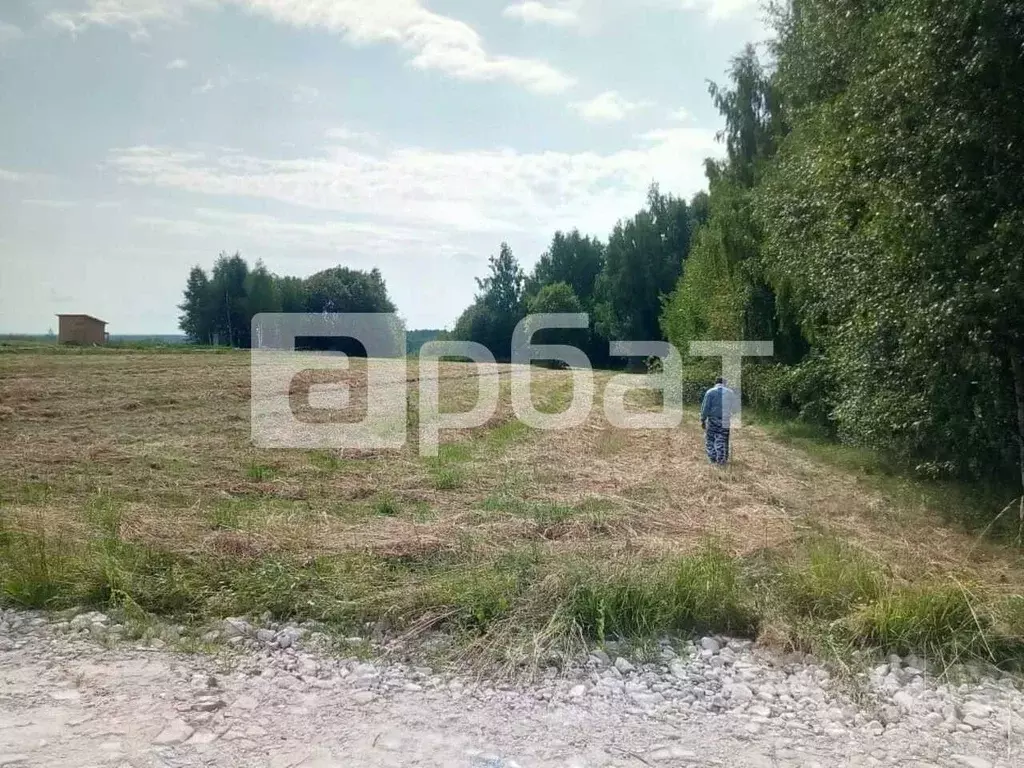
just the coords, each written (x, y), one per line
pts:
(152, 452)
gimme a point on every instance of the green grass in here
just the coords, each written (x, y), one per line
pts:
(326, 461)
(227, 515)
(683, 595)
(969, 504)
(259, 472)
(104, 513)
(32, 492)
(37, 346)
(947, 622)
(594, 512)
(448, 478)
(504, 436)
(386, 505)
(817, 441)
(835, 580)
(454, 453)
(831, 600)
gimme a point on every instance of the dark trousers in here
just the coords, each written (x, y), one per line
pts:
(716, 443)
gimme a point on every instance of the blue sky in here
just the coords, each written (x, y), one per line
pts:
(140, 137)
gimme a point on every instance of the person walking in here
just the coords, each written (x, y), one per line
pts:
(715, 419)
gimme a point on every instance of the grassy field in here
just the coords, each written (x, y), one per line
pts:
(128, 480)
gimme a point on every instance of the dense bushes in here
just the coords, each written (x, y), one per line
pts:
(868, 219)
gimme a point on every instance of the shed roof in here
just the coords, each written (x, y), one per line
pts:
(88, 317)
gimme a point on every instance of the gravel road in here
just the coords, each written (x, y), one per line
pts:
(73, 694)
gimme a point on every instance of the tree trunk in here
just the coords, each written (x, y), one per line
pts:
(1017, 366)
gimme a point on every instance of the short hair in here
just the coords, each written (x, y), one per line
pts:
(719, 380)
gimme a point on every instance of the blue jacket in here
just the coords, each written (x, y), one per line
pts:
(718, 405)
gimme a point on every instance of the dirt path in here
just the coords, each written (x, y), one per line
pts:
(67, 701)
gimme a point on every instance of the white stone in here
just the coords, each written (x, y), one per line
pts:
(207, 704)
(972, 762)
(175, 732)
(975, 722)
(203, 737)
(976, 709)
(245, 702)
(678, 669)
(235, 627)
(904, 701)
(738, 693)
(601, 657)
(710, 644)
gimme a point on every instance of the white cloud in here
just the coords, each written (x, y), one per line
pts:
(224, 80)
(442, 198)
(134, 15)
(11, 176)
(58, 204)
(9, 33)
(23, 177)
(607, 107)
(305, 94)
(345, 135)
(208, 85)
(177, 64)
(563, 14)
(433, 41)
(681, 115)
(583, 14)
(716, 10)
(373, 239)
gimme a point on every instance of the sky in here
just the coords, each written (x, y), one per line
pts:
(141, 137)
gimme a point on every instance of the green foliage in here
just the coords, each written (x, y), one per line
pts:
(557, 298)
(571, 259)
(708, 303)
(724, 293)
(414, 340)
(643, 260)
(867, 218)
(801, 390)
(219, 308)
(498, 307)
(893, 216)
(341, 289)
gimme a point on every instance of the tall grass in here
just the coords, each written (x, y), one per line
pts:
(700, 593)
(830, 597)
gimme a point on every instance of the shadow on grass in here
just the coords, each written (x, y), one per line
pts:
(977, 507)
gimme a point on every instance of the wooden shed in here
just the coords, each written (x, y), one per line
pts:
(81, 329)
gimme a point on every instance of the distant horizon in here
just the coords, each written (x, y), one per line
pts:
(177, 335)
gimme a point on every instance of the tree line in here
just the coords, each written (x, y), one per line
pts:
(218, 307)
(868, 217)
(618, 283)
